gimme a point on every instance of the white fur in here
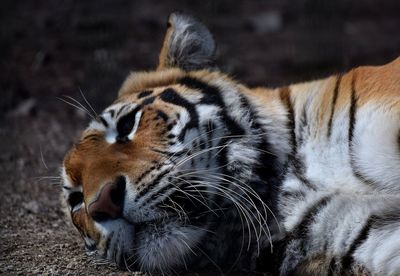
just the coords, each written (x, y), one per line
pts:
(165, 251)
(331, 165)
(375, 149)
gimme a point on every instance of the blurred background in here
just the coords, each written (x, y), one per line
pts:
(52, 49)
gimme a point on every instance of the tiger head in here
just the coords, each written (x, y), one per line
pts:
(163, 179)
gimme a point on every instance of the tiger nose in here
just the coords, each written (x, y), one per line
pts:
(109, 203)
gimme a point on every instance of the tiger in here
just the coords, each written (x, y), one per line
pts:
(190, 171)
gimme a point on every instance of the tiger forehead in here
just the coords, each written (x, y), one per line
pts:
(139, 81)
(148, 96)
(163, 101)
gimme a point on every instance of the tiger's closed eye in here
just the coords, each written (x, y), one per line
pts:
(75, 199)
(128, 124)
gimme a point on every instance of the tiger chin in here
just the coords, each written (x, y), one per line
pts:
(191, 171)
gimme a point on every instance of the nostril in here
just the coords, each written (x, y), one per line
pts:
(110, 201)
(117, 194)
(100, 216)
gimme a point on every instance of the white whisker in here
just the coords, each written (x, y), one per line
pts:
(87, 102)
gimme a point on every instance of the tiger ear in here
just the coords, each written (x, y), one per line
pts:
(188, 44)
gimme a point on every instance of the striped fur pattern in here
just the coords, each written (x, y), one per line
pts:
(209, 174)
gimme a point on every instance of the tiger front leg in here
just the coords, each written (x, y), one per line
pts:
(342, 234)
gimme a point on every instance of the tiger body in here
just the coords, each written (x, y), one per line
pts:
(340, 196)
(189, 170)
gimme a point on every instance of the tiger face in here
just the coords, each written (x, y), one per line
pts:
(160, 180)
(125, 177)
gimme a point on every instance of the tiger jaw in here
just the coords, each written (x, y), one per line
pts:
(145, 246)
(140, 240)
(143, 227)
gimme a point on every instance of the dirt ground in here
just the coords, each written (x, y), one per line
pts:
(52, 49)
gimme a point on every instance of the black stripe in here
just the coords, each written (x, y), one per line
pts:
(212, 96)
(161, 191)
(161, 114)
(168, 153)
(209, 127)
(103, 121)
(301, 230)
(333, 104)
(169, 95)
(398, 141)
(144, 93)
(297, 240)
(143, 175)
(303, 125)
(153, 183)
(284, 94)
(292, 194)
(148, 101)
(90, 247)
(348, 259)
(92, 137)
(332, 268)
(352, 111)
(294, 160)
(299, 171)
(352, 122)
(107, 244)
(126, 123)
(122, 108)
(268, 169)
(203, 143)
